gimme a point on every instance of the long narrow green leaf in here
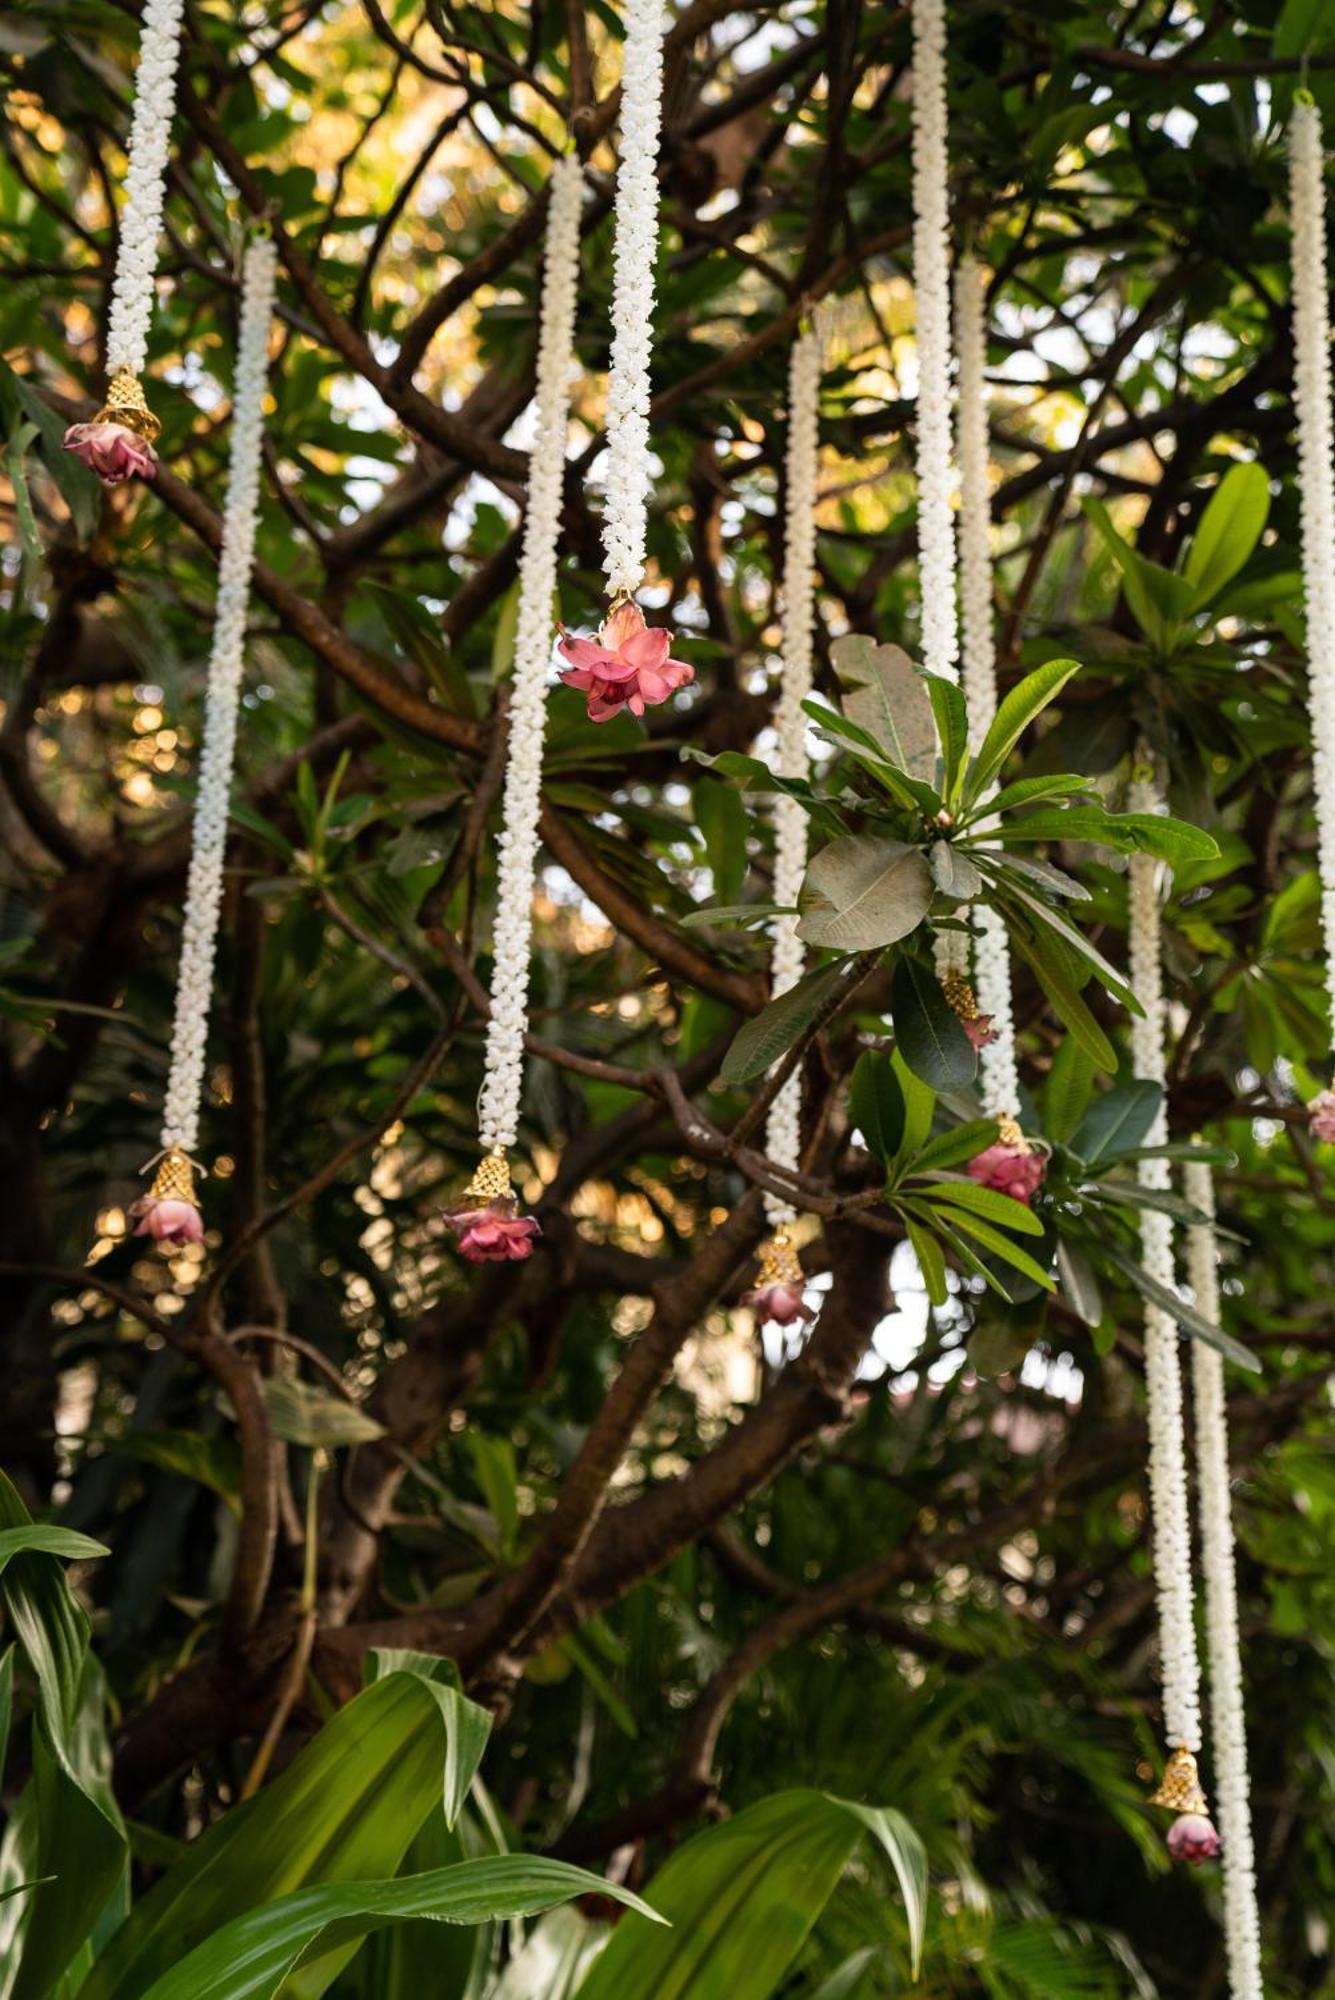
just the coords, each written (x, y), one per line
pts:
(1177, 1308)
(1013, 717)
(759, 1043)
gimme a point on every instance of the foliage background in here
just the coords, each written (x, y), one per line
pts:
(950, 1527)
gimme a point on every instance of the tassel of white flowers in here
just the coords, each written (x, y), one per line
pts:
(208, 840)
(999, 1071)
(783, 1141)
(145, 187)
(498, 1108)
(1179, 1665)
(931, 287)
(1242, 1923)
(635, 262)
(1316, 487)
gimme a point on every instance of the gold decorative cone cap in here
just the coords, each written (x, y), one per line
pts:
(1180, 1788)
(1009, 1133)
(960, 996)
(779, 1262)
(126, 404)
(174, 1179)
(491, 1182)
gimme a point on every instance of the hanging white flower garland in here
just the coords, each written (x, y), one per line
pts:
(486, 1220)
(1316, 488)
(1169, 1503)
(1228, 1728)
(777, 1294)
(629, 665)
(170, 1212)
(931, 288)
(119, 441)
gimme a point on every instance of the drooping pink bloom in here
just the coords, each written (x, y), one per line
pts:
(626, 666)
(784, 1304)
(1014, 1170)
(168, 1221)
(493, 1233)
(115, 452)
(1192, 1838)
(1321, 1113)
(980, 1031)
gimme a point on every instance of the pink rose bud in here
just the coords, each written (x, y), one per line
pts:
(115, 452)
(1014, 1170)
(627, 666)
(495, 1233)
(168, 1221)
(1321, 1114)
(1192, 1838)
(779, 1302)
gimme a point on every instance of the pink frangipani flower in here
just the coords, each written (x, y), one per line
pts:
(980, 1031)
(1192, 1838)
(115, 452)
(1014, 1170)
(784, 1304)
(168, 1221)
(626, 666)
(493, 1233)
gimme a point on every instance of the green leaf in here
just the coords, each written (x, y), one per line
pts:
(1070, 1086)
(344, 1810)
(39, 1539)
(887, 697)
(301, 1414)
(862, 893)
(960, 1192)
(1013, 717)
(1117, 1122)
(928, 1032)
(919, 1109)
(951, 1149)
(721, 818)
(953, 872)
(906, 1854)
(1230, 528)
(742, 1899)
(960, 1218)
(1067, 1003)
(952, 726)
(931, 1260)
(876, 1104)
(1159, 599)
(249, 1957)
(1177, 1309)
(1079, 1286)
(758, 1044)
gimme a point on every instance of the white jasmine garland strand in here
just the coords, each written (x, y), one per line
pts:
(1316, 482)
(1179, 1665)
(498, 1106)
(1228, 1729)
(635, 259)
(783, 1133)
(145, 187)
(931, 285)
(999, 1079)
(208, 839)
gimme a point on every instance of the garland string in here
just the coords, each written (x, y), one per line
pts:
(119, 441)
(169, 1212)
(1316, 489)
(486, 1220)
(1242, 1923)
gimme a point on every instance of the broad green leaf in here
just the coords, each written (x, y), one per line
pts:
(249, 1957)
(876, 1104)
(1159, 599)
(953, 871)
(1230, 528)
(759, 1044)
(344, 1810)
(928, 1032)
(301, 1414)
(38, 1538)
(862, 893)
(885, 695)
(741, 1898)
(1079, 1286)
(1013, 717)
(1118, 1121)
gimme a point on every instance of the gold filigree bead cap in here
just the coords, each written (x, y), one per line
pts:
(126, 405)
(779, 1262)
(491, 1182)
(174, 1179)
(1009, 1133)
(1180, 1789)
(960, 996)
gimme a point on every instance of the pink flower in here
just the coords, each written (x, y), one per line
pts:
(980, 1031)
(168, 1221)
(627, 666)
(1321, 1112)
(495, 1233)
(115, 452)
(1014, 1170)
(779, 1302)
(1192, 1838)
